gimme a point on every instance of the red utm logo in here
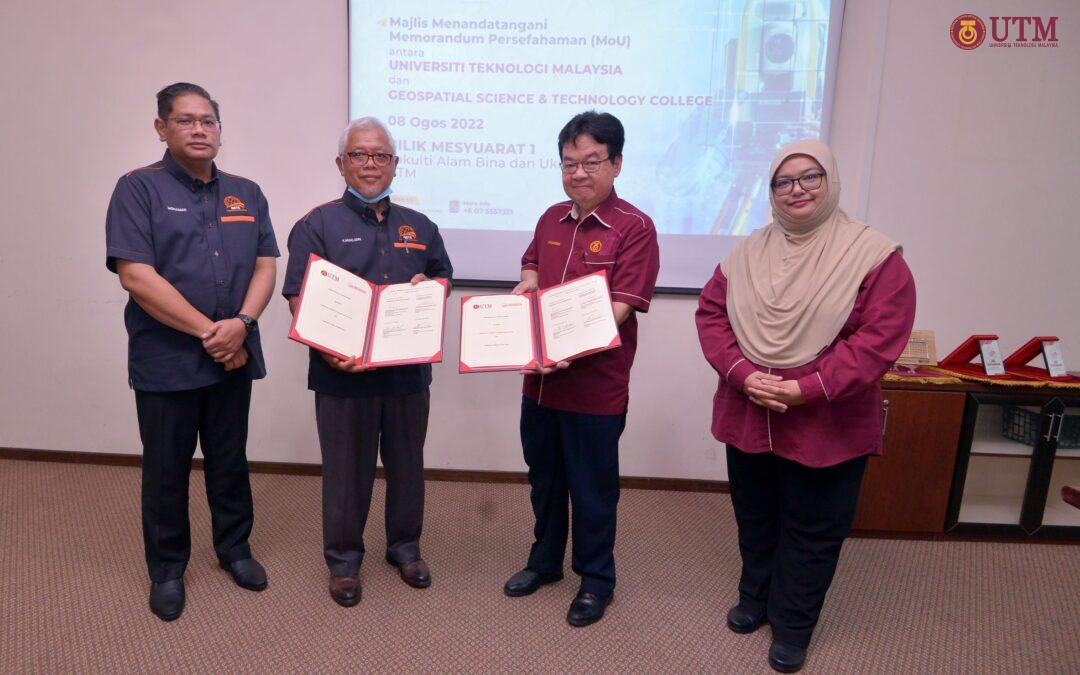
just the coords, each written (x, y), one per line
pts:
(967, 31)
(1041, 34)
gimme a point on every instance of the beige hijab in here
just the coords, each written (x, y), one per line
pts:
(791, 285)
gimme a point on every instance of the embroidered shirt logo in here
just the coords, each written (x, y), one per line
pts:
(233, 203)
(406, 233)
(351, 240)
(595, 246)
(176, 208)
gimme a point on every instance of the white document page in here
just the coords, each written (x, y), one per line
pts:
(577, 317)
(408, 323)
(1055, 360)
(991, 357)
(497, 331)
(335, 309)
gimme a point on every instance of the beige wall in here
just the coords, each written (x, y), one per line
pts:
(970, 159)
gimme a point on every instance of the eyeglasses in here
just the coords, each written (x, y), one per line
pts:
(381, 159)
(590, 165)
(783, 186)
(186, 123)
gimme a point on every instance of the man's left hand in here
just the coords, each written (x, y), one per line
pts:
(417, 278)
(224, 338)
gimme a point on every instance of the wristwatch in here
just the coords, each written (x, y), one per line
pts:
(249, 323)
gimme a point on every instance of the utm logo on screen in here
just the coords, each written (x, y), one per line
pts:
(967, 31)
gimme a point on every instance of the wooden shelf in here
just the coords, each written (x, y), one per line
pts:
(999, 510)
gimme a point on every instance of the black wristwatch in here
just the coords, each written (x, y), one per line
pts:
(249, 323)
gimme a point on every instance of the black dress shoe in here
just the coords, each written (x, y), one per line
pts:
(785, 657)
(247, 573)
(526, 582)
(741, 620)
(587, 609)
(167, 599)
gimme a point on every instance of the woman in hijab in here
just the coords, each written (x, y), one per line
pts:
(800, 321)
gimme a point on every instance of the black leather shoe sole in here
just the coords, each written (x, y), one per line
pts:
(786, 658)
(744, 623)
(169, 613)
(522, 591)
(240, 583)
(580, 621)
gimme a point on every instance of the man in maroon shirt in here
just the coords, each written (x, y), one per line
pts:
(572, 415)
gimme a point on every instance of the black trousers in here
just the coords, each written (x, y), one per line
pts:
(792, 522)
(573, 458)
(352, 431)
(170, 423)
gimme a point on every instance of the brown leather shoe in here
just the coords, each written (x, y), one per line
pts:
(415, 573)
(345, 590)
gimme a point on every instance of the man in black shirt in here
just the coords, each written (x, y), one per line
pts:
(361, 411)
(195, 249)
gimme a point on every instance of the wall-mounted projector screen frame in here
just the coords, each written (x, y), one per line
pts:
(475, 93)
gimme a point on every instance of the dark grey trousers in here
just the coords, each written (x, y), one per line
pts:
(352, 433)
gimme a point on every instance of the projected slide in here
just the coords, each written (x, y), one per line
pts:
(476, 92)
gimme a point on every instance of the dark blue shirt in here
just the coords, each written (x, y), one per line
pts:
(203, 238)
(347, 233)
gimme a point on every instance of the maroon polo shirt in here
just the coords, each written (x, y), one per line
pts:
(616, 238)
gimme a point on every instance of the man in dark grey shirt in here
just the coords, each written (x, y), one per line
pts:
(195, 249)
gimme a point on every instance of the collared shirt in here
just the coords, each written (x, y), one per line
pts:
(347, 233)
(203, 238)
(621, 240)
(842, 416)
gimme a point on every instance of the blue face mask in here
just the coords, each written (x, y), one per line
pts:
(372, 200)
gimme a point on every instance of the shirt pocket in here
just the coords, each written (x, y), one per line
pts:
(240, 238)
(595, 262)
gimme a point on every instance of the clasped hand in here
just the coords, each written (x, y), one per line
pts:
(772, 391)
(224, 342)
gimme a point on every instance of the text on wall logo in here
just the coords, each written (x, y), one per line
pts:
(967, 31)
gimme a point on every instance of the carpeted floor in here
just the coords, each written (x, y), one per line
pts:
(73, 592)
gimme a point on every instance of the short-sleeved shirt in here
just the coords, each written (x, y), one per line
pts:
(201, 237)
(347, 232)
(621, 240)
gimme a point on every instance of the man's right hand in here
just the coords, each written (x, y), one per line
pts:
(345, 365)
(761, 389)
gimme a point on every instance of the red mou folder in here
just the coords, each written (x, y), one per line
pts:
(523, 331)
(347, 316)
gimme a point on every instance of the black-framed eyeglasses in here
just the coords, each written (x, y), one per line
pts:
(590, 165)
(811, 181)
(187, 123)
(357, 158)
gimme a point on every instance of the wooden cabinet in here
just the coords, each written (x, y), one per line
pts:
(906, 489)
(949, 467)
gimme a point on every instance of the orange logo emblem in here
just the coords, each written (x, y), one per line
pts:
(234, 204)
(406, 233)
(967, 31)
(595, 246)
